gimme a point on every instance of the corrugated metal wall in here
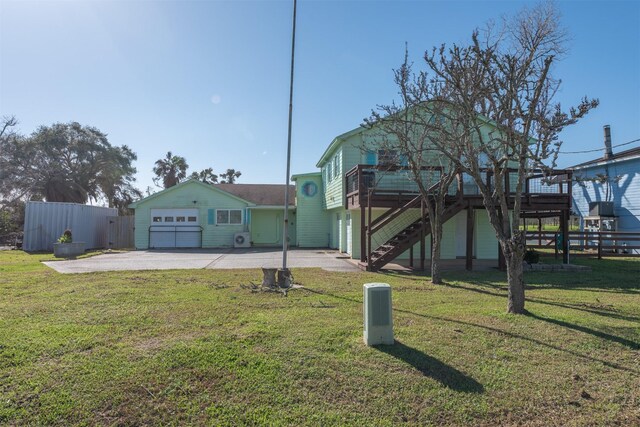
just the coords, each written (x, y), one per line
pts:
(44, 222)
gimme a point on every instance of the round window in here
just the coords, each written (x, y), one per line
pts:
(309, 189)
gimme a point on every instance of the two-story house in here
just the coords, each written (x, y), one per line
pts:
(371, 210)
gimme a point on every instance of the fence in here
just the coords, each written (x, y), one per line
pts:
(589, 243)
(121, 234)
(46, 221)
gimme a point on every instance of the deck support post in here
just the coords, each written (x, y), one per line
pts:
(363, 234)
(539, 231)
(422, 236)
(369, 231)
(469, 248)
(564, 226)
(411, 257)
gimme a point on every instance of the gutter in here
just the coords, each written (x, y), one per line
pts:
(605, 162)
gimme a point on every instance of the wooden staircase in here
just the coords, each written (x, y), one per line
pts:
(408, 236)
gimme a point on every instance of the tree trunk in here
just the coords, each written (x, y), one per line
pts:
(436, 233)
(513, 256)
(515, 277)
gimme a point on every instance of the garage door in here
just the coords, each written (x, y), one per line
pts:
(175, 228)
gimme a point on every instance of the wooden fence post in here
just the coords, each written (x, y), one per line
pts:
(599, 245)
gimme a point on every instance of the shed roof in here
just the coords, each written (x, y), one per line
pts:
(260, 194)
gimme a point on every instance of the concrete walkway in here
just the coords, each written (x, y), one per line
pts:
(205, 258)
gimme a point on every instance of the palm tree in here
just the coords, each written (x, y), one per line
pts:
(206, 175)
(229, 177)
(171, 170)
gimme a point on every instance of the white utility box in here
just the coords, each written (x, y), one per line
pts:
(378, 319)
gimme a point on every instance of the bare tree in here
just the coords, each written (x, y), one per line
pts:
(502, 79)
(407, 128)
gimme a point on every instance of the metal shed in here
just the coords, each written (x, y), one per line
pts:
(44, 222)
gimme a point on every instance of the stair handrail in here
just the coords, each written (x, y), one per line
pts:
(383, 220)
(449, 213)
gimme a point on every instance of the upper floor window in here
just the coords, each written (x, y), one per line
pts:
(388, 157)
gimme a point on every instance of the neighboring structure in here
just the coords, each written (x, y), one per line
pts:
(606, 190)
(44, 223)
(193, 215)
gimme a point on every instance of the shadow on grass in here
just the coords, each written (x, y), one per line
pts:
(524, 338)
(603, 335)
(511, 334)
(431, 367)
(478, 286)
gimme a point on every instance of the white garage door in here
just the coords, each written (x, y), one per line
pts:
(175, 228)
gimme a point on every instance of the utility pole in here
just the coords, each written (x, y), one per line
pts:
(284, 276)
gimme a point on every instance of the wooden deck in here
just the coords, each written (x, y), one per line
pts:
(369, 187)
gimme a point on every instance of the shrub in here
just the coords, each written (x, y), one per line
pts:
(531, 257)
(66, 237)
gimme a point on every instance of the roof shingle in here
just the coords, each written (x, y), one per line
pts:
(260, 194)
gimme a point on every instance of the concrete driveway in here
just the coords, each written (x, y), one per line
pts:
(205, 258)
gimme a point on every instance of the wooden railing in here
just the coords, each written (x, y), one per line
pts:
(588, 243)
(363, 181)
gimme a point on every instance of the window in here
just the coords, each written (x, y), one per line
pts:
(180, 219)
(222, 216)
(192, 219)
(157, 219)
(235, 216)
(387, 157)
(228, 216)
(309, 189)
(436, 119)
(370, 157)
(168, 219)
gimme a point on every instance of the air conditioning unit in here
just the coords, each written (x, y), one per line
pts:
(601, 209)
(242, 240)
(378, 319)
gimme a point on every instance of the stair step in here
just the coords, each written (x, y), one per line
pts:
(407, 237)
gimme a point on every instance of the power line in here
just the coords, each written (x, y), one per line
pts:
(598, 149)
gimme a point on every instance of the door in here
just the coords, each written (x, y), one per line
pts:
(175, 228)
(349, 233)
(338, 233)
(266, 227)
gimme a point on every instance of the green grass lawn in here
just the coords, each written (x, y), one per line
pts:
(196, 347)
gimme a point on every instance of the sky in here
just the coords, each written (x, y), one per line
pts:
(209, 80)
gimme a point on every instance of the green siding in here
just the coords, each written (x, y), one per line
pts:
(205, 198)
(448, 238)
(334, 190)
(312, 222)
(352, 152)
(266, 227)
(486, 243)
